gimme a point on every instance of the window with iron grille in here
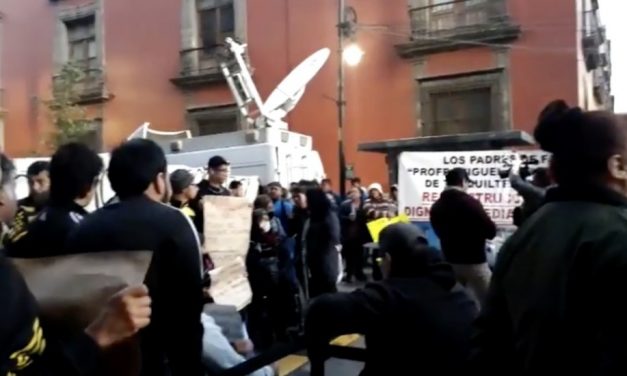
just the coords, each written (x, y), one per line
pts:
(213, 120)
(446, 15)
(216, 22)
(208, 126)
(82, 42)
(465, 111)
(82, 49)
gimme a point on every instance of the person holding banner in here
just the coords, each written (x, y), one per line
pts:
(556, 304)
(218, 170)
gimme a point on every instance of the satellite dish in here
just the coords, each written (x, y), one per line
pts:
(285, 97)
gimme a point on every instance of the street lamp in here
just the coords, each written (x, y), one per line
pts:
(351, 55)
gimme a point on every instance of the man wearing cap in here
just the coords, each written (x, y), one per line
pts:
(184, 196)
(218, 169)
(463, 226)
(418, 301)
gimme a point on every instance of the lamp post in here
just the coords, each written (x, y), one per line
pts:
(351, 55)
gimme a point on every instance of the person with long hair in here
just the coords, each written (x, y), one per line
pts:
(322, 242)
(555, 304)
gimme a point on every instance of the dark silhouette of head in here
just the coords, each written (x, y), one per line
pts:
(318, 204)
(587, 147)
(74, 171)
(139, 167)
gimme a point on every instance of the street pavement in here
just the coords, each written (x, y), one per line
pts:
(333, 367)
(337, 367)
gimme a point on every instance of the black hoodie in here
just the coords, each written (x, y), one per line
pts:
(417, 322)
(556, 301)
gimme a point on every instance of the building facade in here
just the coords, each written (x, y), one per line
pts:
(431, 66)
(486, 65)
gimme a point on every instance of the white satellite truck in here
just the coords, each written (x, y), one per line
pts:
(266, 149)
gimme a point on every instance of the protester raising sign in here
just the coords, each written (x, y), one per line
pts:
(228, 221)
(421, 180)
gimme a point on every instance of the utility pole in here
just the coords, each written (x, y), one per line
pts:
(342, 31)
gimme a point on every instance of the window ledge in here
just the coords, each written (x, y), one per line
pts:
(460, 38)
(96, 95)
(196, 79)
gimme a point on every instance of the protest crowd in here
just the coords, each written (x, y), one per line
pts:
(550, 304)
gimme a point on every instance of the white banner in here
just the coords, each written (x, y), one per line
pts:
(422, 179)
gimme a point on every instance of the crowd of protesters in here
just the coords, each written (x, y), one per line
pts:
(294, 253)
(551, 304)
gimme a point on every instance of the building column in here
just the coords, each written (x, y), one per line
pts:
(189, 35)
(501, 55)
(419, 68)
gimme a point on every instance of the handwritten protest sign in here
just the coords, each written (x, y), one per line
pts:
(227, 228)
(228, 221)
(229, 284)
(422, 179)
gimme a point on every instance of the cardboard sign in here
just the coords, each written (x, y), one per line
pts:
(71, 290)
(229, 285)
(422, 179)
(228, 221)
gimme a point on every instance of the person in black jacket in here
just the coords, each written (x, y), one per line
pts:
(322, 244)
(295, 229)
(38, 175)
(556, 301)
(463, 227)
(185, 196)
(418, 320)
(172, 344)
(267, 313)
(74, 173)
(26, 348)
(354, 235)
(218, 170)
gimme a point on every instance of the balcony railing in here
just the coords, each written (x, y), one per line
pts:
(200, 66)
(444, 25)
(91, 88)
(456, 15)
(602, 86)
